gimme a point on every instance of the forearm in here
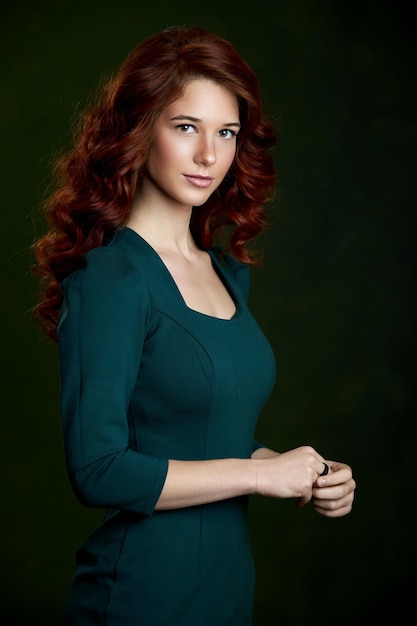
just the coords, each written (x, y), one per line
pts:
(292, 474)
(191, 483)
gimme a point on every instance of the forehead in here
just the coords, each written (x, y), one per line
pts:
(205, 98)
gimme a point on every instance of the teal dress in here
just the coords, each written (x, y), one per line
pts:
(144, 379)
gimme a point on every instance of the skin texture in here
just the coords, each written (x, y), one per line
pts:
(193, 148)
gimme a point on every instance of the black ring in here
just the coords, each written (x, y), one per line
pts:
(326, 470)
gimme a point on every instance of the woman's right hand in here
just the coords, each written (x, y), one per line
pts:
(290, 474)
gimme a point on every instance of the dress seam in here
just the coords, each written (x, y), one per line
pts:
(114, 574)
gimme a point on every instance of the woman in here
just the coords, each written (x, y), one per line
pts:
(164, 370)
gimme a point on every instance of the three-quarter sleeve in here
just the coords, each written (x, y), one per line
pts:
(101, 334)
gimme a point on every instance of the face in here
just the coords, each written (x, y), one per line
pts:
(194, 145)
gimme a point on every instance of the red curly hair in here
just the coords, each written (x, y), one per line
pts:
(97, 180)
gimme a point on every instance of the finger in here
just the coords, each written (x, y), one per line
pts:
(332, 502)
(333, 492)
(340, 476)
(325, 470)
(340, 468)
(332, 509)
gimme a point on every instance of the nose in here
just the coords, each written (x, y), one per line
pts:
(206, 151)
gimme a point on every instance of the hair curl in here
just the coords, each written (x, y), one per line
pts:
(96, 181)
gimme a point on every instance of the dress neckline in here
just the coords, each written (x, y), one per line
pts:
(217, 268)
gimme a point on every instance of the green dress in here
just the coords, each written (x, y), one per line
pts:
(144, 379)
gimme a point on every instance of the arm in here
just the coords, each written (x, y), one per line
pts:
(100, 338)
(292, 474)
(190, 483)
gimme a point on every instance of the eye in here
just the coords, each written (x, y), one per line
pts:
(186, 128)
(226, 133)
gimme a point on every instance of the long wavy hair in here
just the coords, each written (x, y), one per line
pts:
(95, 182)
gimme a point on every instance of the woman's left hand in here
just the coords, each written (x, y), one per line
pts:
(333, 494)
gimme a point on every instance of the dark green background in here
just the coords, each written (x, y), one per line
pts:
(336, 295)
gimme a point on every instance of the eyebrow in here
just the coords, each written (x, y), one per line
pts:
(190, 118)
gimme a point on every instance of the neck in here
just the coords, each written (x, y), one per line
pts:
(164, 228)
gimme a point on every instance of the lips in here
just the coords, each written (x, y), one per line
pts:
(199, 181)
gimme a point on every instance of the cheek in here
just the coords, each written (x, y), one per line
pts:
(164, 151)
(157, 153)
(228, 158)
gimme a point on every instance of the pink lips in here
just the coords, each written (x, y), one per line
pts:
(199, 181)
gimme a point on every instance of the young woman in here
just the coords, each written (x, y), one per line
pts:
(164, 370)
